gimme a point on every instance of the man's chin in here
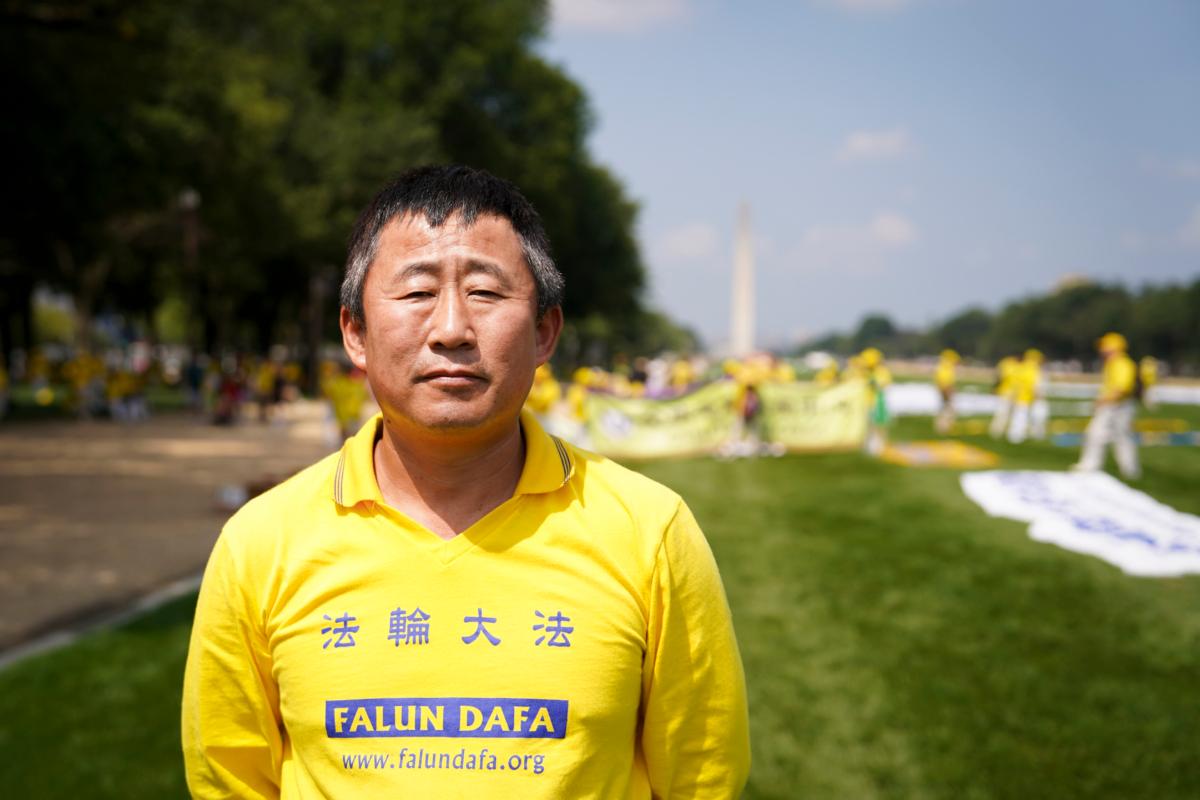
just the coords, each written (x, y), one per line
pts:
(460, 418)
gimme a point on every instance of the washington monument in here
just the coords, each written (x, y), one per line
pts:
(741, 332)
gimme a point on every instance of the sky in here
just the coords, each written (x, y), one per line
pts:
(908, 157)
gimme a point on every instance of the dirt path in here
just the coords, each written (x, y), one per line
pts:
(96, 514)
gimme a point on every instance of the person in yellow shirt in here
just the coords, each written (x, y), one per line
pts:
(878, 378)
(944, 378)
(745, 439)
(118, 386)
(347, 393)
(1147, 378)
(1005, 373)
(544, 393)
(828, 374)
(85, 374)
(1112, 420)
(458, 604)
(782, 372)
(683, 375)
(1029, 407)
(577, 393)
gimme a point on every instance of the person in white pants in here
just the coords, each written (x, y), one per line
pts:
(1112, 420)
(1027, 394)
(1005, 372)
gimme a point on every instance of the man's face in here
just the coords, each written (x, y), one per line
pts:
(452, 338)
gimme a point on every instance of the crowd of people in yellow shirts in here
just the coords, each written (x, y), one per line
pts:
(95, 387)
(1022, 411)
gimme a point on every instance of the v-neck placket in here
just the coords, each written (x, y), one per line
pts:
(548, 466)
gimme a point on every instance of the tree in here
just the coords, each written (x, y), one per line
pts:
(965, 331)
(873, 331)
(276, 123)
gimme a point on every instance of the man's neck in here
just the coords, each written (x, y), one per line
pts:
(448, 485)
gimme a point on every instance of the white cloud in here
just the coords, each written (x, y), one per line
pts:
(616, 16)
(1189, 234)
(691, 242)
(886, 231)
(875, 145)
(854, 248)
(868, 6)
(892, 230)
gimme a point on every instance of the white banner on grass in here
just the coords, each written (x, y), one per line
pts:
(1093, 513)
(923, 399)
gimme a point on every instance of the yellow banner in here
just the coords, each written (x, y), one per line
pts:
(800, 416)
(693, 424)
(804, 416)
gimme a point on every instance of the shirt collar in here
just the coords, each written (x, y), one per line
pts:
(548, 463)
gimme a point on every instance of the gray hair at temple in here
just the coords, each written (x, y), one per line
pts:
(437, 193)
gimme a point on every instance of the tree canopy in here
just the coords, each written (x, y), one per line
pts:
(1159, 321)
(218, 151)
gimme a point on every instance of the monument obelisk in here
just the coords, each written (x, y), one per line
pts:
(741, 332)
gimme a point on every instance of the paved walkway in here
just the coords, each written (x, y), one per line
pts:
(94, 515)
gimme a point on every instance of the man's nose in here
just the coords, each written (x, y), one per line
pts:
(451, 324)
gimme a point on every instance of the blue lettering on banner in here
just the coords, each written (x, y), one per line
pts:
(446, 717)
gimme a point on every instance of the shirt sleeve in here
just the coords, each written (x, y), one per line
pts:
(695, 728)
(231, 728)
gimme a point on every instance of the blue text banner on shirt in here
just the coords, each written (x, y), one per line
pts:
(452, 717)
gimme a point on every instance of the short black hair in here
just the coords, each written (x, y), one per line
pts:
(437, 193)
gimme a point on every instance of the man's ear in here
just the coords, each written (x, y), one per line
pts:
(353, 339)
(549, 326)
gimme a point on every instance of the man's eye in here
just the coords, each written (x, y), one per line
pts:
(416, 295)
(485, 293)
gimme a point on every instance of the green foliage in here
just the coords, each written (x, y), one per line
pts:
(280, 121)
(965, 332)
(874, 330)
(1064, 324)
(170, 321)
(1163, 321)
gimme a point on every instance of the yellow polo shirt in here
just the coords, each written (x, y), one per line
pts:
(1006, 371)
(944, 375)
(1026, 380)
(1120, 378)
(575, 642)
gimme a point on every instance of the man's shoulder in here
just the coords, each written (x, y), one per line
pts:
(600, 479)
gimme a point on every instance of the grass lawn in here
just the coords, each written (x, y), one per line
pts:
(898, 643)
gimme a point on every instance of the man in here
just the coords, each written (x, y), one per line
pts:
(1006, 371)
(1147, 380)
(944, 378)
(878, 378)
(1029, 407)
(1112, 420)
(457, 604)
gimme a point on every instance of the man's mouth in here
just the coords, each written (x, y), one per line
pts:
(451, 377)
